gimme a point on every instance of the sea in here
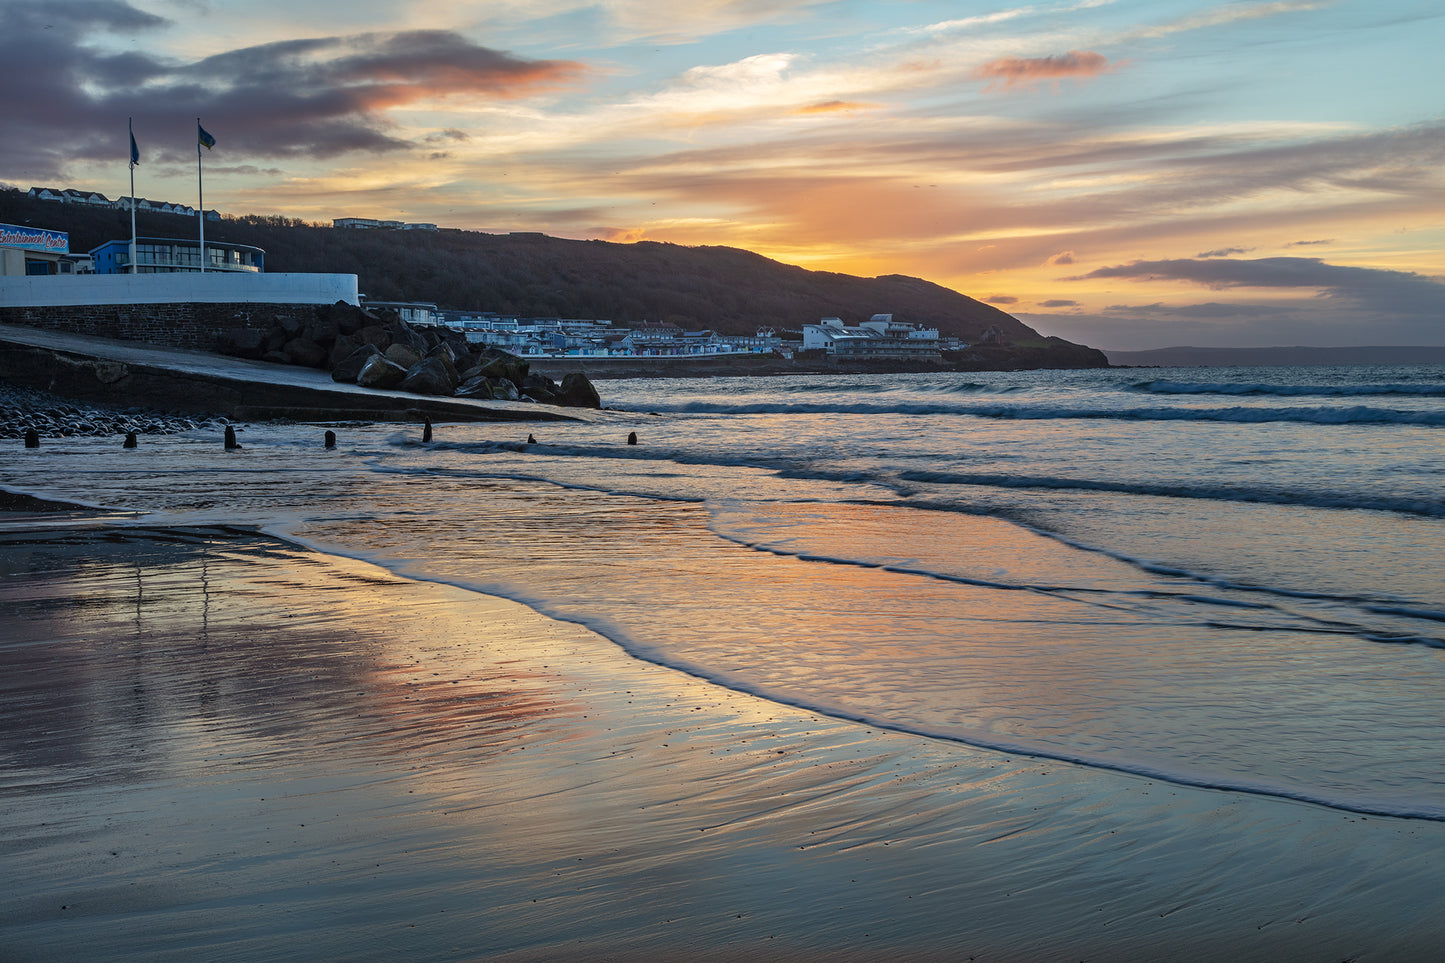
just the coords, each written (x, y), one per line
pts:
(1220, 577)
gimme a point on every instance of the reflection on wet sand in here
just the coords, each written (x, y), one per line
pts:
(218, 746)
(156, 665)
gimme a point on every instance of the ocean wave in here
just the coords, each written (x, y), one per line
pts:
(1173, 771)
(1352, 415)
(1428, 507)
(1263, 388)
(1296, 621)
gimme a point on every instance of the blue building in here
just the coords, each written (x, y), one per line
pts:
(161, 255)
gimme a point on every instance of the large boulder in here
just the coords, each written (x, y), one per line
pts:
(432, 376)
(403, 333)
(577, 392)
(375, 334)
(540, 388)
(506, 367)
(242, 343)
(348, 369)
(306, 353)
(488, 389)
(291, 324)
(445, 359)
(275, 339)
(403, 354)
(341, 349)
(322, 330)
(377, 372)
(349, 318)
(460, 347)
(477, 387)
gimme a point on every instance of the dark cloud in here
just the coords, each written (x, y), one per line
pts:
(1313, 303)
(1058, 303)
(1224, 252)
(1210, 309)
(1310, 243)
(1067, 257)
(80, 15)
(67, 100)
(1293, 321)
(1393, 291)
(1002, 299)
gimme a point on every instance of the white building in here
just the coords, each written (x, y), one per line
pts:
(368, 223)
(878, 337)
(412, 312)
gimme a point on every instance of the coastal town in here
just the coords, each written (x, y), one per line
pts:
(37, 252)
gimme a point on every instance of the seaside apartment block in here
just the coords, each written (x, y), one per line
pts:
(170, 255)
(68, 195)
(878, 337)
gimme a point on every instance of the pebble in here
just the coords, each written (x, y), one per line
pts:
(55, 417)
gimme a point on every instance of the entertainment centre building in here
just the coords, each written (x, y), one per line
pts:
(37, 252)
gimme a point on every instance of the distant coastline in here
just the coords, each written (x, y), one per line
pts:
(1188, 357)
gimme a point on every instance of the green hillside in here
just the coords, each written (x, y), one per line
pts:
(530, 275)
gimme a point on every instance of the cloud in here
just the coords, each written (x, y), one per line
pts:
(1008, 72)
(835, 107)
(1297, 321)
(1227, 14)
(1310, 243)
(1058, 303)
(1065, 257)
(1002, 299)
(1390, 292)
(1224, 252)
(380, 70)
(319, 97)
(1209, 309)
(116, 15)
(676, 23)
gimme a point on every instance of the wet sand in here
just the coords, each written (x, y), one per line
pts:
(216, 745)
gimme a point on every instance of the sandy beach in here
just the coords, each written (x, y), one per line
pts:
(221, 746)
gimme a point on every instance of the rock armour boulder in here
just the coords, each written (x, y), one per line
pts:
(377, 372)
(379, 350)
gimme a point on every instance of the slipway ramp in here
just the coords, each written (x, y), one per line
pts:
(127, 373)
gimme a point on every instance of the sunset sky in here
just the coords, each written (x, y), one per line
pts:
(1127, 174)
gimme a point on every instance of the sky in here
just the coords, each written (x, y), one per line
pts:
(1129, 174)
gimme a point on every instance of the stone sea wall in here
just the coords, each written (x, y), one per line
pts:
(199, 326)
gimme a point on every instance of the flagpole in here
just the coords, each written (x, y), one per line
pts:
(130, 123)
(200, 196)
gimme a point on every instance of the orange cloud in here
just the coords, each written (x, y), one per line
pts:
(1026, 71)
(835, 107)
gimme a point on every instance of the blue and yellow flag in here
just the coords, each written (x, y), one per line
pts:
(203, 138)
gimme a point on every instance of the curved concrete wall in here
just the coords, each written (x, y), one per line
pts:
(197, 288)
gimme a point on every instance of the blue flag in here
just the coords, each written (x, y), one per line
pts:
(134, 151)
(203, 138)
